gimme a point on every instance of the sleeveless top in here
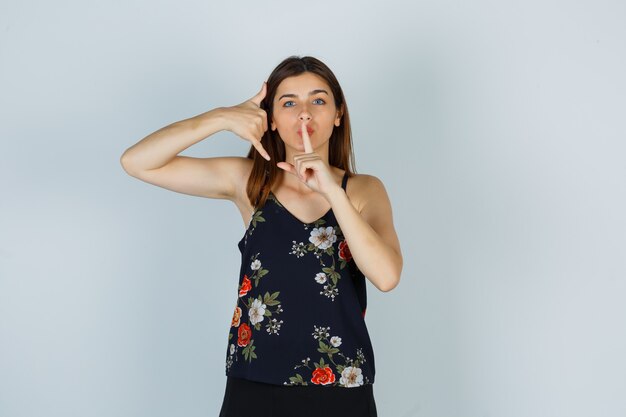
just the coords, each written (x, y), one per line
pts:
(299, 315)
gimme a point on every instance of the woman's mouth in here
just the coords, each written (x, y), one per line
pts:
(308, 129)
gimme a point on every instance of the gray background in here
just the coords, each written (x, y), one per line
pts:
(497, 127)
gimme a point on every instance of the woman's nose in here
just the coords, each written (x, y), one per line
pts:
(305, 115)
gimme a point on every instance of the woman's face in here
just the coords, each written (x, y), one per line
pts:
(304, 97)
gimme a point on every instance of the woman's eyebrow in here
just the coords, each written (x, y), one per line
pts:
(319, 90)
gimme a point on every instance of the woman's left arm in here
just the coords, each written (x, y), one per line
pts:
(370, 234)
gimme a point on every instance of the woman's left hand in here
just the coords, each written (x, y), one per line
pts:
(310, 168)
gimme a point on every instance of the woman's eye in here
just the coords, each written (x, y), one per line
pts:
(320, 100)
(288, 104)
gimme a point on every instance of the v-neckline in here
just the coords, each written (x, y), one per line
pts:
(299, 220)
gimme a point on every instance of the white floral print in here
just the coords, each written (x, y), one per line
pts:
(298, 249)
(255, 265)
(351, 377)
(330, 292)
(320, 332)
(320, 278)
(323, 372)
(273, 326)
(256, 312)
(329, 246)
(323, 237)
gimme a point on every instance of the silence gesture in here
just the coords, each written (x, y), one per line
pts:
(309, 167)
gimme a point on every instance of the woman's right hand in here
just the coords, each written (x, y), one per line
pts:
(248, 120)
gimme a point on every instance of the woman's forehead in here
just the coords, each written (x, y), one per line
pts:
(302, 84)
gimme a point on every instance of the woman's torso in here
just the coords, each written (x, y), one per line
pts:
(300, 307)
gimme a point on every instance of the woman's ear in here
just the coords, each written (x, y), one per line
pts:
(338, 117)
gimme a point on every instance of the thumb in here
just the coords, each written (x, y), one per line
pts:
(260, 95)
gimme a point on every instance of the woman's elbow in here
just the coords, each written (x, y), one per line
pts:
(392, 282)
(389, 284)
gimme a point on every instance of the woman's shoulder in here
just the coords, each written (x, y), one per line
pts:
(364, 182)
(362, 188)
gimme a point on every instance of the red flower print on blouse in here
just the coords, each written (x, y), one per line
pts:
(236, 317)
(243, 335)
(344, 251)
(323, 376)
(246, 286)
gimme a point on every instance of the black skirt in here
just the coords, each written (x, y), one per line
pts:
(244, 398)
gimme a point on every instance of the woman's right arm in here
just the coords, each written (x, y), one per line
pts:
(155, 160)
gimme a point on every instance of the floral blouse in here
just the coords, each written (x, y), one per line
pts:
(299, 316)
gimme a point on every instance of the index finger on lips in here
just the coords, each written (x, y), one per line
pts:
(306, 140)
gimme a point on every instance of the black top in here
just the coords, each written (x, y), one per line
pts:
(300, 311)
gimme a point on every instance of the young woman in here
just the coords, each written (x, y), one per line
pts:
(298, 343)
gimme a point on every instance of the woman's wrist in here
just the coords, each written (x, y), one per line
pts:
(211, 121)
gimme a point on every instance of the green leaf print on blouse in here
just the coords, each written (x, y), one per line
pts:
(256, 217)
(258, 307)
(252, 224)
(321, 242)
(322, 373)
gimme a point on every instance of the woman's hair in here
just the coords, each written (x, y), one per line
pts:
(340, 154)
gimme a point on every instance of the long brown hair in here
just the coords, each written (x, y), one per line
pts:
(340, 154)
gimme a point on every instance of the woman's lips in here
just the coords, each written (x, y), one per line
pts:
(310, 131)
